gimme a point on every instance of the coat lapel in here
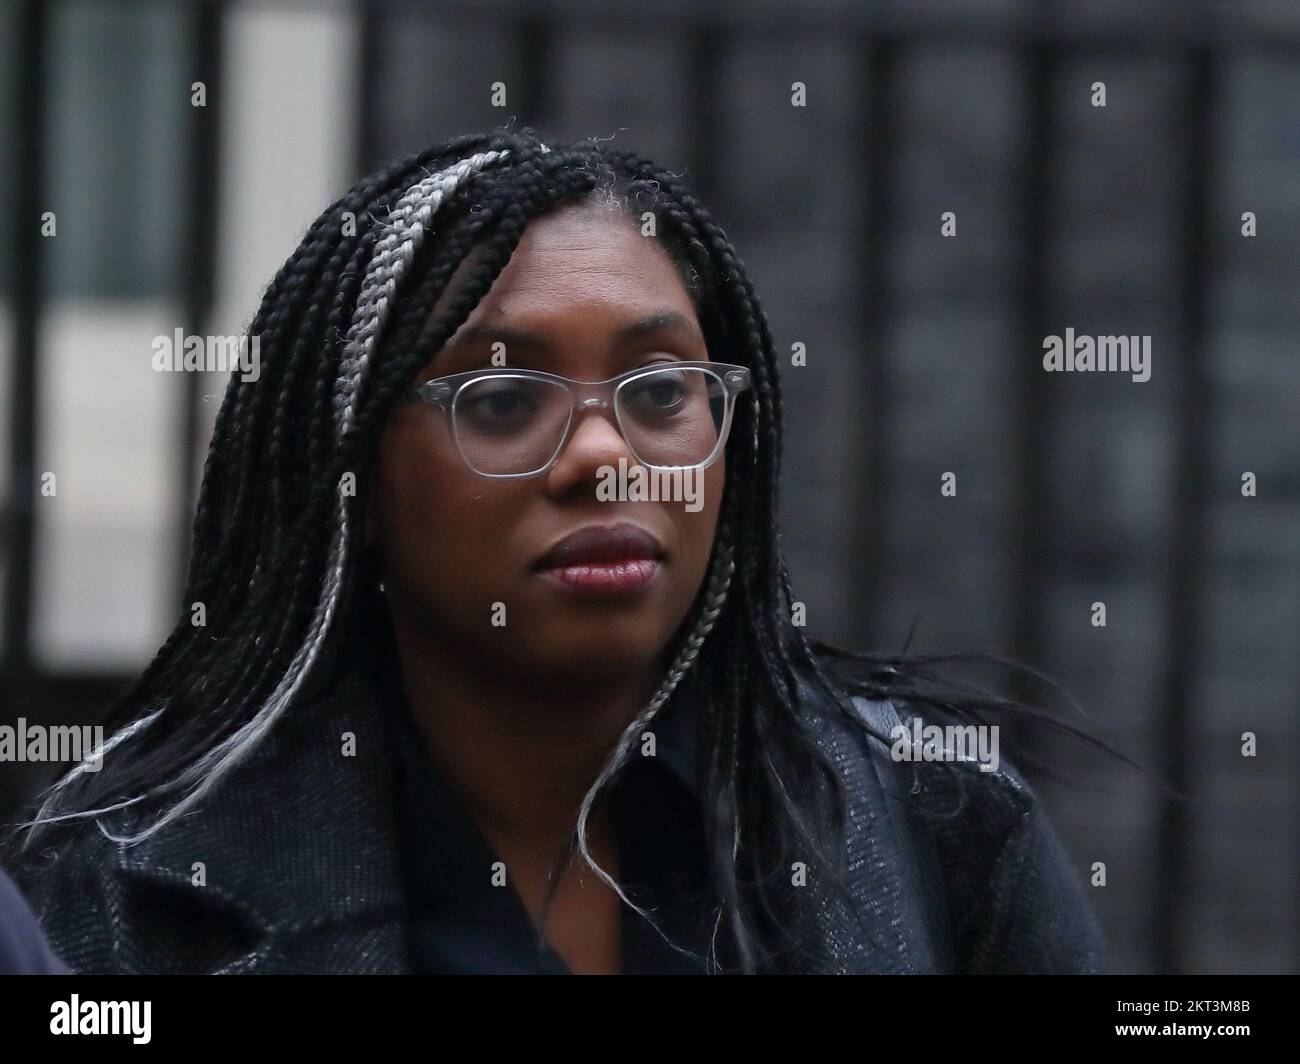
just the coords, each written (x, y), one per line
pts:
(899, 921)
(298, 848)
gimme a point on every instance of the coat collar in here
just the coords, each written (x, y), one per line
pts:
(300, 851)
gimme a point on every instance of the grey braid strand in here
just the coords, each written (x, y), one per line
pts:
(393, 254)
(724, 566)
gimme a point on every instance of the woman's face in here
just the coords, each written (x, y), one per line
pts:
(455, 544)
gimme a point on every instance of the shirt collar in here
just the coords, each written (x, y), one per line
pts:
(675, 731)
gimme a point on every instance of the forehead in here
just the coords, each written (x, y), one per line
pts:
(588, 257)
(583, 279)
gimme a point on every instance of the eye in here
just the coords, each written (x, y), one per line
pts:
(497, 403)
(659, 393)
(500, 402)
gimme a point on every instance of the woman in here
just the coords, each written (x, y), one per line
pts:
(451, 707)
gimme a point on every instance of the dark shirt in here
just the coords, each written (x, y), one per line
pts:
(461, 923)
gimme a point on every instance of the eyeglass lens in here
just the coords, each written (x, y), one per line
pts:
(669, 417)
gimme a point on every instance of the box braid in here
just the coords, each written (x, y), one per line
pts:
(343, 328)
(228, 527)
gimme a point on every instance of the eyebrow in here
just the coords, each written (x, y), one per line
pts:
(662, 321)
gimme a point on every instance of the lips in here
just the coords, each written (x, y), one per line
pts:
(602, 546)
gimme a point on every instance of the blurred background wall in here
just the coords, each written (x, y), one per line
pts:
(923, 351)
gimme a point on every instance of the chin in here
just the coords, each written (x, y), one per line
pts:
(600, 654)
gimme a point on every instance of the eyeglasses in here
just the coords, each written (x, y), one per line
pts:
(515, 422)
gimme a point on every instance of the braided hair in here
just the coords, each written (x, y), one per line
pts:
(343, 328)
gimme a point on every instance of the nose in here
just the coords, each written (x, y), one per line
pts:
(594, 441)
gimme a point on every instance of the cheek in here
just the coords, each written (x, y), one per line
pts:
(437, 526)
(698, 529)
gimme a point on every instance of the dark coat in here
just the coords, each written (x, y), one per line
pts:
(301, 856)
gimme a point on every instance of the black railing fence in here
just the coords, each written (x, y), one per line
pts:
(870, 438)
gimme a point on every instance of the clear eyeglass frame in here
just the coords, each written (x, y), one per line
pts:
(444, 392)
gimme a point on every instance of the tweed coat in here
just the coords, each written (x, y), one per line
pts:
(298, 856)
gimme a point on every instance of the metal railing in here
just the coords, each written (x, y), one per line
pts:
(1042, 39)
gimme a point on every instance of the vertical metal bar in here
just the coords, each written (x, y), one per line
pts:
(535, 44)
(369, 42)
(877, 157)
(705, 56)
(1185, 577)
(1033, 408)
(27, 252)
(198, 253)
